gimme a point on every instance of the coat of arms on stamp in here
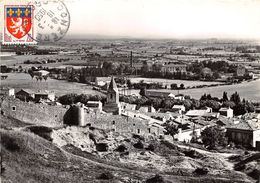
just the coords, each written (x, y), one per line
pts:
(18, 24)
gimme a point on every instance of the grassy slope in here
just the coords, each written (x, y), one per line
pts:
(38, 160)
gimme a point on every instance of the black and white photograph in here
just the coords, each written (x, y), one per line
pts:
(130, 91)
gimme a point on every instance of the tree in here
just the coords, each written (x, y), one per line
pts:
(31, 73)
(45, 77)
(156, 102)
(240, 109)
(67, 99)
(213, 137)
(209, 97)
(143, 91)
(225, 97)
(235, 98)
(203, 97)
(210, 103)
(250, 107)
(171, 129)
(174, 86)
(129, 83)
(181, 86)
(167, 103)
(188, 104)
(230, 104)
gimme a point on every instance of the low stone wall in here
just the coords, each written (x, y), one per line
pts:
(33, 113)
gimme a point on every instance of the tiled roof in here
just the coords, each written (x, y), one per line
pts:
(245, 125)
(27, 91)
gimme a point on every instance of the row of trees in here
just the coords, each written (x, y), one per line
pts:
(73, 98)
(219, 66)
(235, 103)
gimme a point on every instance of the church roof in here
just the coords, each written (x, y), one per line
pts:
(112, 85)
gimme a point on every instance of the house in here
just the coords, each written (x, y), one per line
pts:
(179, 97)
(145, 109)
(240, 71)
(94, 65)
(101, 81)
(25, 94)
(206, 72)
(44, 95)
(95, 104)
(7, 91)
(195, 113)
(174, 68)
(160, 116)
(245, 132)
(128, 107)
(189, 130)
(228, 112)
(180, 108)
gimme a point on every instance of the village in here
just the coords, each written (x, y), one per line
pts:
(176, 123)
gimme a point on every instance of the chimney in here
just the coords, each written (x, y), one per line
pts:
(131, 59)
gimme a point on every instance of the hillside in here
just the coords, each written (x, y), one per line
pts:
(91, 155)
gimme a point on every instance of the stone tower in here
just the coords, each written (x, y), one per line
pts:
(112, 105)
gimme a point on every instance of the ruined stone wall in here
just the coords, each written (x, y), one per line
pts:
(122, 124)
(33, 113)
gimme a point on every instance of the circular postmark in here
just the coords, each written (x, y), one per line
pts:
(51, 20)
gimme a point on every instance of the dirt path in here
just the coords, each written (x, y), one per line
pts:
(222, 156)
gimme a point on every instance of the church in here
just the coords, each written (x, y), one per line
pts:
(112, 104)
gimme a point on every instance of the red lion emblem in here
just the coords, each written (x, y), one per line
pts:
(18, 22)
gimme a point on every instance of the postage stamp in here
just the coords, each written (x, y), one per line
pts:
(18, 25)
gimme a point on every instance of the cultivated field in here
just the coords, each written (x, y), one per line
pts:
(248, 90)
(171, 81)
(60, 87)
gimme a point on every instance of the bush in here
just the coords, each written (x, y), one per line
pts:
(201, 171)
(139, 145)
(101, 147)
(92, 128)
(239, 167)
(42, 131)
(213, 137)
(192, 154)
(121, 148)
(92, 137)
(150, 147)
(9, 143)
(138, 137)
(106, 176)
(255, 174)
(156, 179)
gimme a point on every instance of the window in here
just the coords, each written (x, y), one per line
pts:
(138, 131)
(149, 130)
(14, 108)
(111, 96)
(113, 122)
(133, 124)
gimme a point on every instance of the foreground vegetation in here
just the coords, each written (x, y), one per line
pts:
(28, 156)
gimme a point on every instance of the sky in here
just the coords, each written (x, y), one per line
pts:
(176, 19)
(239, 19)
